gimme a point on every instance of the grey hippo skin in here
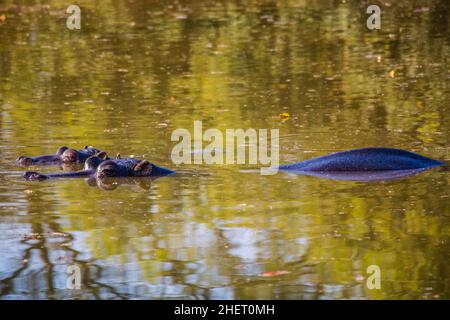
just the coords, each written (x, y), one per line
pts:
(101, 166)
(366, 164)
(62, 155)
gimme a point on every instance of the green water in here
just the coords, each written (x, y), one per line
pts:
(138, 70)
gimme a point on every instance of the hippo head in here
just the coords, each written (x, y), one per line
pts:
(24, 161)
(34, 176)
(94, 161)
(77, 156)
(42, 160)
(112, 168)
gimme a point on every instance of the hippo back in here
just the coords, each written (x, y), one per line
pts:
(366, 159)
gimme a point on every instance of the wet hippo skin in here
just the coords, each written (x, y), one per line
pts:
(366, 164)
(365, 159)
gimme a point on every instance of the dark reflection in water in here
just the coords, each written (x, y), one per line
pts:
(109, 184)
(362, 176)
(138, 70)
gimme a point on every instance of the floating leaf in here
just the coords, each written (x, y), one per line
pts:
(284, 116)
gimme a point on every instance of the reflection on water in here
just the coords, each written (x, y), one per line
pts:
(363, 176)
(138, 70)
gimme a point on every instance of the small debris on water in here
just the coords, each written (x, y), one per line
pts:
(274, 273)
(67, 244)
(284, 116)
(359, 277)
(181, 16)
(37, 236)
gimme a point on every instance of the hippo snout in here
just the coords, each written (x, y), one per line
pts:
(34, 176)
(24, 161)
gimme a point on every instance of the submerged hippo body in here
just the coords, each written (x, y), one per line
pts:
(62, 155)
(364, 160)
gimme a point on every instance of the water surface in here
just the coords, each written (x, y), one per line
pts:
(138, 70)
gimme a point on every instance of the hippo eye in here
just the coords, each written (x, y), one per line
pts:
(108, 172)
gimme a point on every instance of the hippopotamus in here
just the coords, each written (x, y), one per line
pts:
(366, 164)
(101, 166)
(62, 155)
(130, 167)
(90, 167)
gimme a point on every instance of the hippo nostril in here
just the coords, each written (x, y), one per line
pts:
(23, 160)
(34, 176)
(27, 175)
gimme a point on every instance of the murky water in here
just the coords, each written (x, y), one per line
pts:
(138, 70)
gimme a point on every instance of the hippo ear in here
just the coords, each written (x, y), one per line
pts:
(144, 167)
(102, 155)
(61, 150)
